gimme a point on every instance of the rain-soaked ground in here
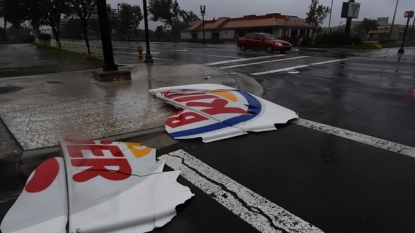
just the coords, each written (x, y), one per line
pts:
(346, 166)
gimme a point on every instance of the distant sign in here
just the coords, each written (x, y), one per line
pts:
(382, 21)
(350, 10)
(292, 19)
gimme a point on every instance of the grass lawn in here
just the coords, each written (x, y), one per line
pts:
(65, 62)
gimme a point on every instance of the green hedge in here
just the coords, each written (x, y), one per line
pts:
(44, 37)
(26, 38)
(337, 38)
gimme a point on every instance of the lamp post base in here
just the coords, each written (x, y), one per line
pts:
(149, 58)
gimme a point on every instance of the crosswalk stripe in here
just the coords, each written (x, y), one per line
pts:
(254, 209)
(241, 59)
(298, 67)
(261, 62)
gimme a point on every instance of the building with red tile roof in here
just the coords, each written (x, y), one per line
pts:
(287, 27)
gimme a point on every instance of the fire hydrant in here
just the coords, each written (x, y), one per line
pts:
(140, 50)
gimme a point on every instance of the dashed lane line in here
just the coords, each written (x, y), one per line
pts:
(298, 67)
(358, 137)
(314, 64)
(240, 59)
(261, 62)
(254, 209)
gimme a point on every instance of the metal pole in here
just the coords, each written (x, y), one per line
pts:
(401, 50)
(149, 58)
(109, 64)
(331, 8)
(202, 12)
(203, 26)
(393, 20)
(348, 23)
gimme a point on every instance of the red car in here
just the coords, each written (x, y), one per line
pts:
(263, 41)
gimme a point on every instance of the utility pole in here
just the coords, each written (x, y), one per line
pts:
(331, 8)
(393, 20)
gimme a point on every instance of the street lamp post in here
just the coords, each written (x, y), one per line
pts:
(149, 58)
(202, 12)
(105, 37)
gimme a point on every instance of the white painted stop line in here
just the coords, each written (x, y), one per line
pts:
(259, 212)
(241, 59)
(262, 62)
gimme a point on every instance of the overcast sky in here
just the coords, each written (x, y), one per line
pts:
(371, 9)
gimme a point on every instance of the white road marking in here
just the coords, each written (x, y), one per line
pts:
(240, 59)
(279, 70)
(331, 61)
(261, 213)
(358, 137)
(256, 63)
(297, 67)
(201, 54)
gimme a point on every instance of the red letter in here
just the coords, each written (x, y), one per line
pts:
(43, 176)
(75, 150)
(184, 119)
(216, 107)
(97, 168)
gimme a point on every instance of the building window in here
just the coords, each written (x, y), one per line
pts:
(194, 36)
(215, 35)
(285, 33)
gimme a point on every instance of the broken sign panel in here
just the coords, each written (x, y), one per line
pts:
(43, 204)
(111, 186)
(214, 112)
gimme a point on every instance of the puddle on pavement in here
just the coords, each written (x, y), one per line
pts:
(9, 89)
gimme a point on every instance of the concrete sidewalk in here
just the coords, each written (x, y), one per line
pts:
(39, 110)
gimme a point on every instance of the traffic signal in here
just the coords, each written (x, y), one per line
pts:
(409, 14)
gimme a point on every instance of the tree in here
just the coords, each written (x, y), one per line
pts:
(137, 17)
(35, 14)
(13, 12)
(190, 18)
(126, 19)
(4, 19)
(53, 11)
(168, 12)
(72, 29)
(365, 26)
(83, 9)
(316, 14)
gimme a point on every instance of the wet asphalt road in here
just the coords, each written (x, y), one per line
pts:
(333, 183)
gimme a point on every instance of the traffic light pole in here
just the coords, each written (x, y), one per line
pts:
(401, 50)
(409, 15)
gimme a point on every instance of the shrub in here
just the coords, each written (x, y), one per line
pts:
(306, 42)
(44, 37)
(337, 38)
(27, 38)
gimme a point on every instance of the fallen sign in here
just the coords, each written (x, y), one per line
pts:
(214, 112)
(106, 187)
